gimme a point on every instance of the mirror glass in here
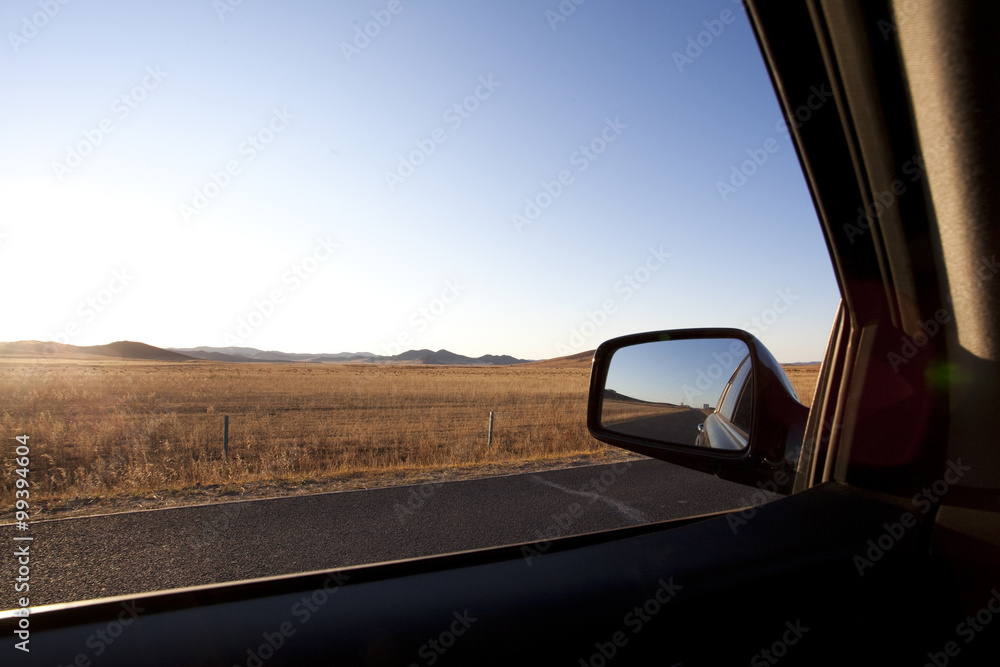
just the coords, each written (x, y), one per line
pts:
(693, 392)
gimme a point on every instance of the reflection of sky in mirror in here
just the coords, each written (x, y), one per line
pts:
(692, 372)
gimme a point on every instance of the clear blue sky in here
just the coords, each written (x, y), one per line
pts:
(689, 372)
(140, 233)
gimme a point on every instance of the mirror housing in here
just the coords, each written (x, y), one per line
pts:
(777, 418)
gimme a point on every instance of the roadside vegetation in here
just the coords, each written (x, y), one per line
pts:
(100, 429)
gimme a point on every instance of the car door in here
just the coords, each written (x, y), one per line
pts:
(885, 553)
(731, 420)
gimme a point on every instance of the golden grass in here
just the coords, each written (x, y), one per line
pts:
(100, 428)
(804, 380)
(111, 427)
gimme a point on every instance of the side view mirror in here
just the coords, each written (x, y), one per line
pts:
(714, 400)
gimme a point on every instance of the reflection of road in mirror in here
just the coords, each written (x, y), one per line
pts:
(692, 392)
(664, 422)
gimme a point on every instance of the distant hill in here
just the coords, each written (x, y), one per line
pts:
(125, 349)
(119, 350)
(133, 350)
(446, 358)
(248, 354)
(579, 360)
(612, 395)
(33, 348)
(129, 350)
(429, 357)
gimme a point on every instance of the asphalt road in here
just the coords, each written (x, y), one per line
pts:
(680, 427)
(122, 554)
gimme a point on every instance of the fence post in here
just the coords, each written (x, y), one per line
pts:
(489, 441)
(225, 436)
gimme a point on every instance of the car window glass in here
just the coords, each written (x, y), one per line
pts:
(257, 249)
(734, 389)
(744, 406)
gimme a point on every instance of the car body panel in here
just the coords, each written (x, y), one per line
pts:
(720, 430)
(524, 597)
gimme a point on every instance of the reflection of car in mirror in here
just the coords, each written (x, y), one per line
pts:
(710, 399)
(729, 426)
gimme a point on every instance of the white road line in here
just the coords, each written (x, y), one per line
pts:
(630, 513)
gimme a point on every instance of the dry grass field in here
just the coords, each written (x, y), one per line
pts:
(804, 380)
(104, 429)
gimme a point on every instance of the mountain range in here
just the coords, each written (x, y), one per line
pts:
(430, 357)
(142, 351)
